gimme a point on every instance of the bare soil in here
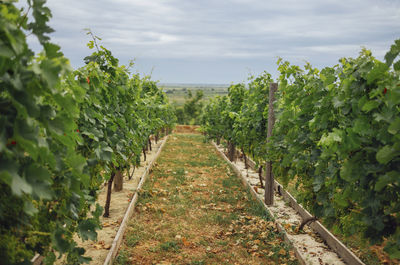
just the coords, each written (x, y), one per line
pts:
(187, 129)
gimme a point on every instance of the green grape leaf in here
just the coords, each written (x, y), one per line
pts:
(386, 154)
(5, 51)
(362, 126)
(50, 70)
(376, 72)
(40, 180)
(52, 50)
(396, 66)
(394, 127)
(77, 162)
(19, 186)
(388, 178)
(29, 208)
(8, 169)
(392, 53)
(370, 105)
(330, 138)
(87, 229)
(341, 200)
(61, 244)
(347, 171)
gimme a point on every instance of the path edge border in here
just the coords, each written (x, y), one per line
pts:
(112, 253)
(254, 194)
(341, 250)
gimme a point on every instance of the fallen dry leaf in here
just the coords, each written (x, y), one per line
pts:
(107, 224)
(185, 242)
(282, 252)
(101, 245)
(254, 248)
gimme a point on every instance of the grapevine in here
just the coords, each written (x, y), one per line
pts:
(336, 138)
(63, 133)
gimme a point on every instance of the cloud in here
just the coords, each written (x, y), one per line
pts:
(238, 34)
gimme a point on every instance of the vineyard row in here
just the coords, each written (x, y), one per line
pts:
(64, 133)
(336, 139)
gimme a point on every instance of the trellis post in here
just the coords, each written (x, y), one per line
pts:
(269, 178)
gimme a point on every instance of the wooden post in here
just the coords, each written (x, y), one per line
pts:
(133, 171)
(144, 153)
(260, 171)
(269, 178)
(108, 199)
(149, 142)
(246, 166)
(231, 151)
(118, 181)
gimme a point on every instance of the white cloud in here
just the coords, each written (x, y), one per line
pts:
(239, 34)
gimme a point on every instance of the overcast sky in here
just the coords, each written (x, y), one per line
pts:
(205, 41)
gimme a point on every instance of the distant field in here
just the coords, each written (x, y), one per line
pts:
(177, 93)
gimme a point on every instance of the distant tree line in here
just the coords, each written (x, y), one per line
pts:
(190, 112)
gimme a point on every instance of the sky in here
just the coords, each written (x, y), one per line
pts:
(220, 42)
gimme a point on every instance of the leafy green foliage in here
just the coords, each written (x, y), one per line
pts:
(190, 112)
(336, 134)
(250, 128)
(336, 137)
(222, 113)
(211, 119)
(59, 130)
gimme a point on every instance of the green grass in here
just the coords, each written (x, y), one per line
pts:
(224, 219)
(198, 262)
(122, 258)
(170, 246)
(179, 177)
(132, 240)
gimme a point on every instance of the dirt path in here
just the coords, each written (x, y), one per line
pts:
(194, 210)
(98, 250)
